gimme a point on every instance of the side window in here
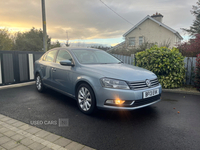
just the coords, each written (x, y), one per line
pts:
(44, 57)
(63, 55)
(50, 56)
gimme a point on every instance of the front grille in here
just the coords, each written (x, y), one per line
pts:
(142, 85)
(146, 101)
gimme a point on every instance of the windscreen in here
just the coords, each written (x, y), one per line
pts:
(95, 57)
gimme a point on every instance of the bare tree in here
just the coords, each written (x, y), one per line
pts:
(67, 41)
(165, 43)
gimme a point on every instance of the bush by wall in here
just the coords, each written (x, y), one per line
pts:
(197, 72)
(167, 64)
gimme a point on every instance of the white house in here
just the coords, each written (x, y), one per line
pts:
(151, 30)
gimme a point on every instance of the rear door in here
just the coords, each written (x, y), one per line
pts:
(46, 66)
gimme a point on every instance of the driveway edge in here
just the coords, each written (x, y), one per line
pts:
(181, 91)
(16, 85)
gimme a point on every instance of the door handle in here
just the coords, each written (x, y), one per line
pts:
(54, 69)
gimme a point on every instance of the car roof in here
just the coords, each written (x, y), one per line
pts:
(76, 48)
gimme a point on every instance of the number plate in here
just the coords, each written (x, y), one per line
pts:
(150, 93)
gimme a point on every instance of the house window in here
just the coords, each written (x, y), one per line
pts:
(140, 40)
(132, 41)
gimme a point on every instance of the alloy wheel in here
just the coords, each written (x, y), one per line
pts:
(84, 99)
(38, 83)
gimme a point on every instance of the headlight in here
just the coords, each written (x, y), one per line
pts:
(112, 83)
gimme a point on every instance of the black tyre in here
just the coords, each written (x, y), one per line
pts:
(39, 85)
(86, 99)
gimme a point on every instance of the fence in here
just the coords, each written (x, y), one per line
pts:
(126, 59)
(17, 66)
(190, 65)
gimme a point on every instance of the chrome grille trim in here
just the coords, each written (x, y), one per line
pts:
(142, 85)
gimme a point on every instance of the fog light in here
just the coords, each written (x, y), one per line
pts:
(117, 101)
(110, 102)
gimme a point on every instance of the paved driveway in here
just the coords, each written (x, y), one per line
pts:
(159, 126)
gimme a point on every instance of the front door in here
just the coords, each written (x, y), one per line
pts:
(62, 75)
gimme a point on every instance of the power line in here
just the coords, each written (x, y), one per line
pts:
(115, 12)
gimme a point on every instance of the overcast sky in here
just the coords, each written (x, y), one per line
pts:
(89, 21)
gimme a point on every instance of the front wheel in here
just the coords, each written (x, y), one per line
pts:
(85, 99)
(39, 85)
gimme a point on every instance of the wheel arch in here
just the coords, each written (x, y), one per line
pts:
(86, 82)
(36, 73)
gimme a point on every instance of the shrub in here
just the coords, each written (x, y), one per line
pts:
(197, 73)
(167, 64)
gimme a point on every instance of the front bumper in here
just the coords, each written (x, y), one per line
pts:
(103, 94)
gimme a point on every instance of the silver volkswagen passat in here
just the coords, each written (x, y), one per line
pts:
(96, 79)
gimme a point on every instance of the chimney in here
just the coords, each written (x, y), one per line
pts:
(157, 17)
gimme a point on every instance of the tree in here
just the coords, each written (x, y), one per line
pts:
(56, 44)
(191, 48)
(195, 27)
(67, 42)
(6, 42)
(30, 41)
(105, 48)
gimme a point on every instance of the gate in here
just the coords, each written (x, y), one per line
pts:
(17, 66)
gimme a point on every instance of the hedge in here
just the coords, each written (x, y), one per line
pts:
(167, 64)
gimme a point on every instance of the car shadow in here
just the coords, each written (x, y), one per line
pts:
(137, 114)
(59, 97)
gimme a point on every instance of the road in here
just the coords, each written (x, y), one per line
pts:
(173, 123)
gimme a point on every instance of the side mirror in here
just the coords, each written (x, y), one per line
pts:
(66, 63)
